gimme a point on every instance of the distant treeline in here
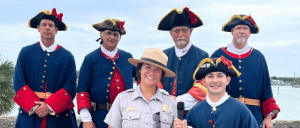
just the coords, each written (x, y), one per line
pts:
(286, 79)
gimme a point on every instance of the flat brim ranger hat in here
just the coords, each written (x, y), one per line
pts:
(156, 57)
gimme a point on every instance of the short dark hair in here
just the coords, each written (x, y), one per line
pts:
(138, 74)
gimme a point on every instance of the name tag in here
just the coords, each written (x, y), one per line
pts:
(165, 108)
(130, 109)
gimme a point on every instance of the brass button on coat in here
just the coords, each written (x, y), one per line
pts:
(241, 88)
(45, 65)
(111, 73)
(42, 81)
(113, 67)
(107, 90)
(45, 60)
(48, 54)
(240, 67)
(81, 95)
(108, 85)
(42, 87)
(44, 76)
(24, 88)
(44, 71)
(109, 78)
(240, 61)
(240, 81)
(66, 94)
(179, 58)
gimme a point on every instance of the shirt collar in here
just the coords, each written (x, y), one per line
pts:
(49, 49)
(231, 48)
(182, 52)
(138, 93)
(221, 101)
(111, 54)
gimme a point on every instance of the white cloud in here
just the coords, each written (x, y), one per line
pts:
(278, 22)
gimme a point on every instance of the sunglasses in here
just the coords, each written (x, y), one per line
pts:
(156, 118)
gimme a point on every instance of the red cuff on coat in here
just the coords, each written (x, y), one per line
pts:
(25, 98)
(83, 101)
(268, 106)
(159, 85)
(60, 101)
(198, 91)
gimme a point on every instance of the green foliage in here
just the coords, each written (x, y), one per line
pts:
(6, 87)
(287, 79)
(274, 77)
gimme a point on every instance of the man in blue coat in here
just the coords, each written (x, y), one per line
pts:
(183, 57)
(45, 78)
(104, 73)
(253, 87)
(218, 109)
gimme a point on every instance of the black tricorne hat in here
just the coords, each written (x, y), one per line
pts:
(51, 15)
(241, 20)
(221, 64)
(177, 18)
(111, 24)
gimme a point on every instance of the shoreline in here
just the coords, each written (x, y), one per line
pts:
(9, 122)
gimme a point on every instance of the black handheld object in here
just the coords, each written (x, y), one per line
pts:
(180, 110)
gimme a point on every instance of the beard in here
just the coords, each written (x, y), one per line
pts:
(181, 41)
(241, 38)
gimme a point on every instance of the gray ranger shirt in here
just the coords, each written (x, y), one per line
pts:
(131, 110)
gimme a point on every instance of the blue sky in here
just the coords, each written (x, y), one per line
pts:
(278, 39)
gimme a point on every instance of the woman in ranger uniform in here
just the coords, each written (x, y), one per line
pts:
(145, 106)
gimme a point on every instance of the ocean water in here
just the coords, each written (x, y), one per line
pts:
(286, 97)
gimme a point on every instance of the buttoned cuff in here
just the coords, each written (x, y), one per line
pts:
(85, 115)
(32, 110)
(51, 111)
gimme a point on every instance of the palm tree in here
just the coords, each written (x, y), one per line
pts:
(6, 88)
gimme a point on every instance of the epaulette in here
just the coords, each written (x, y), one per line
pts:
(164, 92)
(128, 90)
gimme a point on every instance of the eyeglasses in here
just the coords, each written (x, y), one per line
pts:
(240, 28)
(156, 118)
(184, 30)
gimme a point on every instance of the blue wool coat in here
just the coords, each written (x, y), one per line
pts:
(254, 82)
(230, 114)
(185, 67)
(60, 72)
(94, 78)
